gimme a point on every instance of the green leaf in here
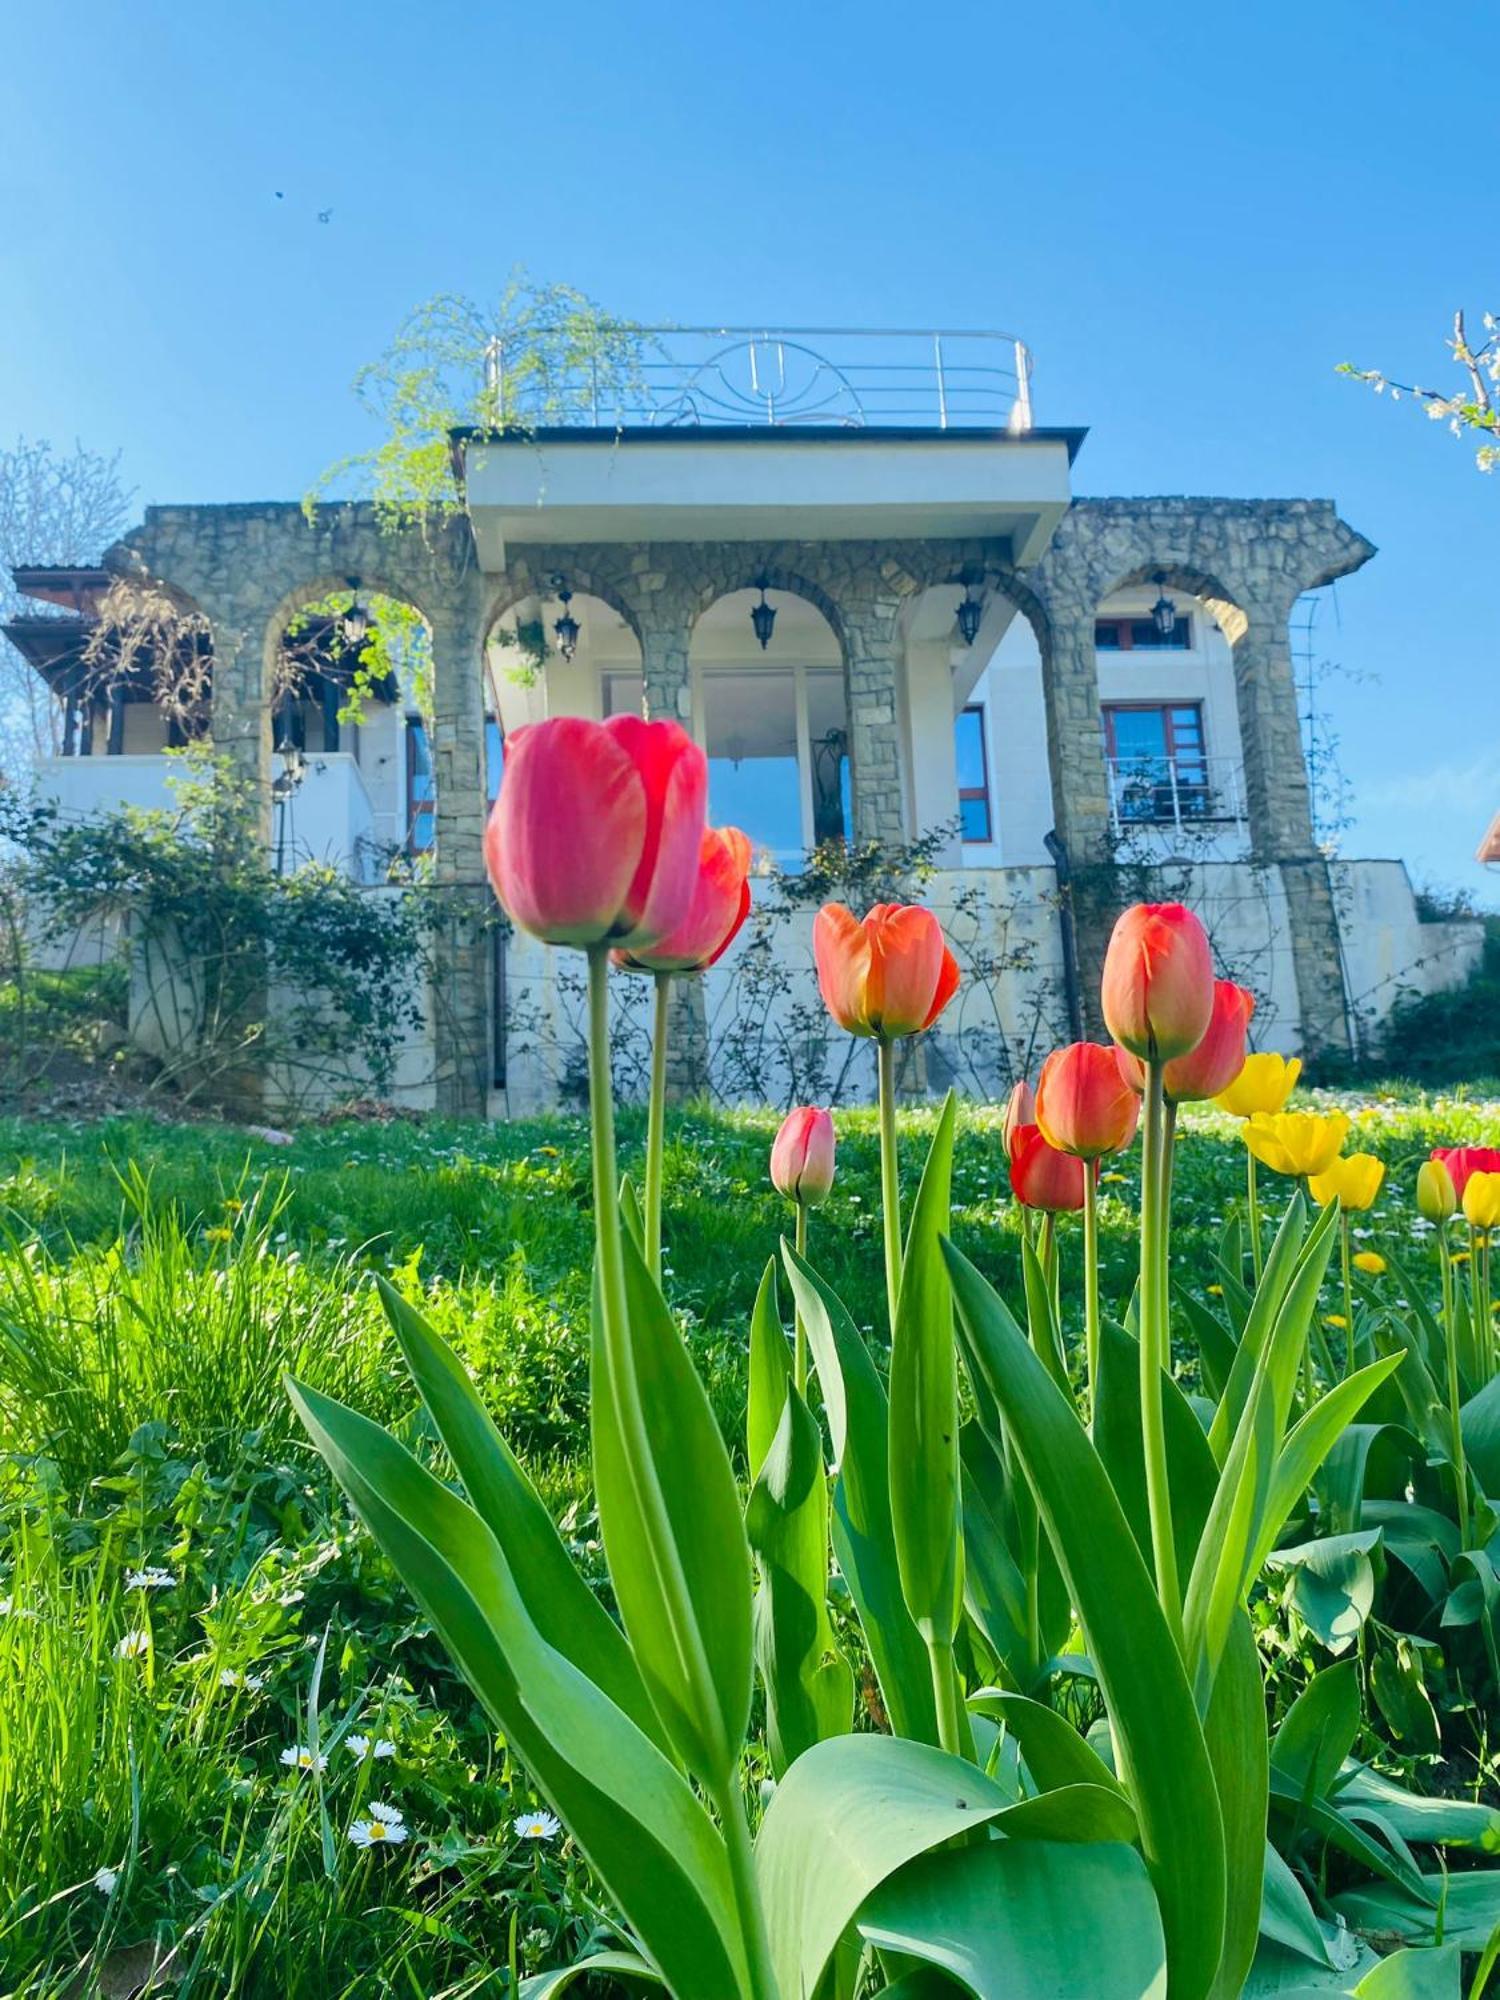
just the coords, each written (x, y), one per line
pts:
(1400, 1691)
(923, 1409)
(1333, 1584)
(1264, 1309)
(854, 1402)
(1054, 1753)
(674, 1535)
(1309, 1748)
(1194, 1476)
(846, 1815)
(1216, 1344)
(559, 1603)
(1027, 1921)
(1479, 1419)
(618, 1964)
(1415, 1975)
(630, 1215)
(770, 1371)
(1162, 1755)
(1041, 1318)
(1287, 1917)
(809, 1684)
(631, 1811)
(1306, 1445)
(1366, 1458)
(1470, 1908)
(1441, 1821)
(1235, 1732)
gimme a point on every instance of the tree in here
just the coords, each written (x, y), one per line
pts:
(1469, 412)
(541, 354)
(55, 507)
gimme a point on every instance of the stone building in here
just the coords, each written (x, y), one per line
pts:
(855, 569)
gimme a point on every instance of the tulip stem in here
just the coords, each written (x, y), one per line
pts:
(1455, 1399)
(1348, 1292)
(954, 1735)
(1156, 1353)
(890, 1179)
(656, 1123)
(636, 1453)
(1257, 1249)
(799, 1331)
(1091, 1281)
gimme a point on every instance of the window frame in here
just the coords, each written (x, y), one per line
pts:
(1172, 754)
(967, 793)
(1124, 624)
(798, 670)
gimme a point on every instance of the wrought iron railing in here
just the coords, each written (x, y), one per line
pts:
(1177, 791)
(671, 377)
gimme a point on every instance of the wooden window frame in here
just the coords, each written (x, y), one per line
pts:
(968, 793)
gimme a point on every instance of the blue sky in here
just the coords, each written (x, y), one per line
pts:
(1192, 213)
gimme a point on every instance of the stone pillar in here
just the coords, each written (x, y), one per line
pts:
(1080, 791)
(463, 903)
(873, 694)
(244, 636)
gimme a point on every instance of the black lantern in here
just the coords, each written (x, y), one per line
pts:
(566, 627)
(970, 611)
(355, 623)
(1163, 611)
(763, 617)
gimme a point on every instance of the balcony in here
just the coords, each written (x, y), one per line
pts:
(744, 434)
(1175, 792)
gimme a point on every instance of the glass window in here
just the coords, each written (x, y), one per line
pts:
(494, 757)
(828, 755)
(1140, 635)
(624, 694)
(754, 776)
(974, 817)
(421, 788)
(1158, 769)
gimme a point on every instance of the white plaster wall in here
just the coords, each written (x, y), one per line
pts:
(1010, 692)
(328, 819)
(1389, 954)
(83, 786)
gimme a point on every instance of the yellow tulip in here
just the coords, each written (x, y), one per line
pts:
(1355, 1180)
(1263, 1085)
(1482, 1200)
(1296, 1142)
(1437, 1198)
(1370, 1261)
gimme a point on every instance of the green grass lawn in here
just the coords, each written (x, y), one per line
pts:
(155, 1282)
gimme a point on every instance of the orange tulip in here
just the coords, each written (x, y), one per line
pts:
(1041, 1177)
(1083, 1104)
(720, 905)
(1218, 1059)
(1020, 1109)
(1158, 987)
(888, 976)
(595, 836)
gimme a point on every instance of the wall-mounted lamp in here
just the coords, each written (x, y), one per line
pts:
(763, 616)
(567, 627)
(1163, 611)
(355, 623)
(970, 612)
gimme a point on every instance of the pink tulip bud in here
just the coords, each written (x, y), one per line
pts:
(1041, 1177)
(802, 1156)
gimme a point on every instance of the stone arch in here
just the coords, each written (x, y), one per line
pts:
(523, 580)
(748, 576)
(1225, 603)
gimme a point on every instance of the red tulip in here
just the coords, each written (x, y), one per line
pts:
(1083, 1104)
(888, 976)
(802, 1156)
(1464, 1161)
(1041, 1177)
(595, 836)
(1020, 1109)
(1218, 1059)
(721, 903)
(1158, 988)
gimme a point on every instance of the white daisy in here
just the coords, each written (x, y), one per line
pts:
(384, 1827)
(133, 1645)
(300, 1758)
(105, 1880)
(235, 1677)
(537, 1826)
(153, 1577)
(361, 1746)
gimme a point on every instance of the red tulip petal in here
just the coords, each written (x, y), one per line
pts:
(841, 949)
(568, 830)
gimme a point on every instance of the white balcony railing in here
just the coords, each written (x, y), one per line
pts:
(669, 377)
(1174, 791)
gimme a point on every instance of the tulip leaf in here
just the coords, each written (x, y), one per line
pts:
(1117, 1438)
(673, 1530)
(1333, 1584)
(1051, 1748)
(854, 1401)
(1466, 1906)
(809, 1685)
(616, 1964)
(1319, 1731)
(1162, 1755)
(1444, 1822)
(631, 1811)
(1235, 1732)
(1216, 1344)
(1041, 1318)
(1308, 1444)
(770, 1371)
(559, 1603)
(847, 1814)
(1264, 1308)
(923, 1409)
(1027, 1919)
(1013, 1589)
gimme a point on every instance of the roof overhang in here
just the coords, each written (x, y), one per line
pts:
(720, 484)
